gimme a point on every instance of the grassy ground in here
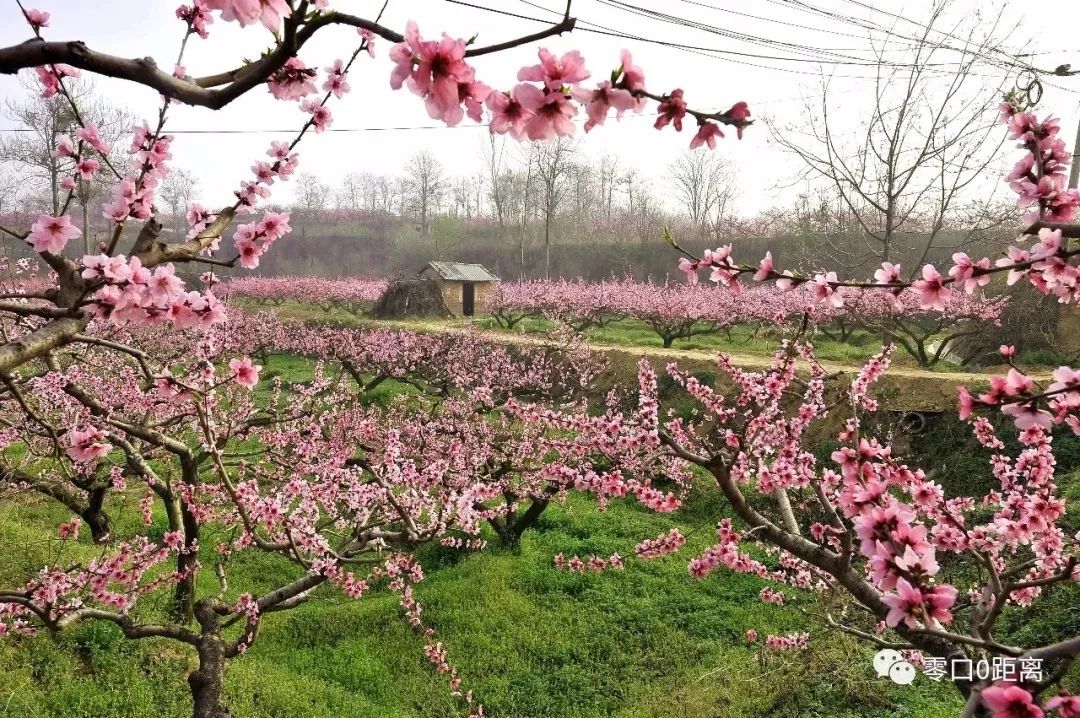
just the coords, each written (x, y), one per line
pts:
(531, 641)
(624, 332)
(740, 339)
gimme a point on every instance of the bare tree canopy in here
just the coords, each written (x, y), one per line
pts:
(179, 189)
(704, 188)
(926, 138)
(42, 121)
(553, 163)
(426, 184)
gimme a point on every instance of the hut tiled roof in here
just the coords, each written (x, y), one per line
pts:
(459, 272)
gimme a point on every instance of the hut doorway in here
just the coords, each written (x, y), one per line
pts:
(468, 298)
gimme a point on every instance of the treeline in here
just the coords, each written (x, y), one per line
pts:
(553, 212)
(341, 245)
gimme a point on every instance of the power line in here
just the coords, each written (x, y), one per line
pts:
(837, 33)
(774, 20)
(929, 28)
(1009, 63)
(813, 53)
(712, 53)
(931, 68)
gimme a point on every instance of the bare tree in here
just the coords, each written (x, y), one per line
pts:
(584, 197)
(479, 187)
(497, 179)
(353, 192)
(424, 178)
(312, 197)
(381, 193)
(526, 191)
(608, 171)
(311, 194)
(553, 163)
(926, 138)
(9, 193)
(42, 121)
(461, 193)
(704, 187)
(179, 189)
(631, 184)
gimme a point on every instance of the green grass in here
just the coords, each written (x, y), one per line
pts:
(531, 641)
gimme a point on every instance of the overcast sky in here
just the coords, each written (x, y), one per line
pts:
(711, 80)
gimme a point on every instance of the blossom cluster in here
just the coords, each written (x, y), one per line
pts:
(1040, 177)
(131, 293)
(134, 195)
(329, 294)
(790, 642)
(890, 521)
(574, 564)
(282, 165)
(676, 311)
(546, 99)
(253, 239)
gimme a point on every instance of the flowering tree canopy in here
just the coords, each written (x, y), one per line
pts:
(118, 377)
(679, 311)
(899, 518)
(140, 285)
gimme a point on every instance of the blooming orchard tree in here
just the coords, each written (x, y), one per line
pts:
(341, 487)
(351, 293)
(672, 311)
(680, 311)
(312, 475)
(540, 107)
(115, 379)
(869, 534)
(926, 333)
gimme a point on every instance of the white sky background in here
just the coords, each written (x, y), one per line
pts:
(137, 28)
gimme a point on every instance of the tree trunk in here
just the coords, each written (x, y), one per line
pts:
(54, 169)
(514, 525)
(523, 248)
(786, 511)
(95, 517)
(547, 247)
(184, 595)
(207, 682)
(85, 229)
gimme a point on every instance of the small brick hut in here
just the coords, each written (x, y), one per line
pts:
(463, 286)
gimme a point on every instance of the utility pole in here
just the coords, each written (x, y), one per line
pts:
(1074, 168)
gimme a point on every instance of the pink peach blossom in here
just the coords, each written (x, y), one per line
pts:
(706, 135)
(671, 111)
(37, 18)
(51, 234)
(555, 72)
(245, 373)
